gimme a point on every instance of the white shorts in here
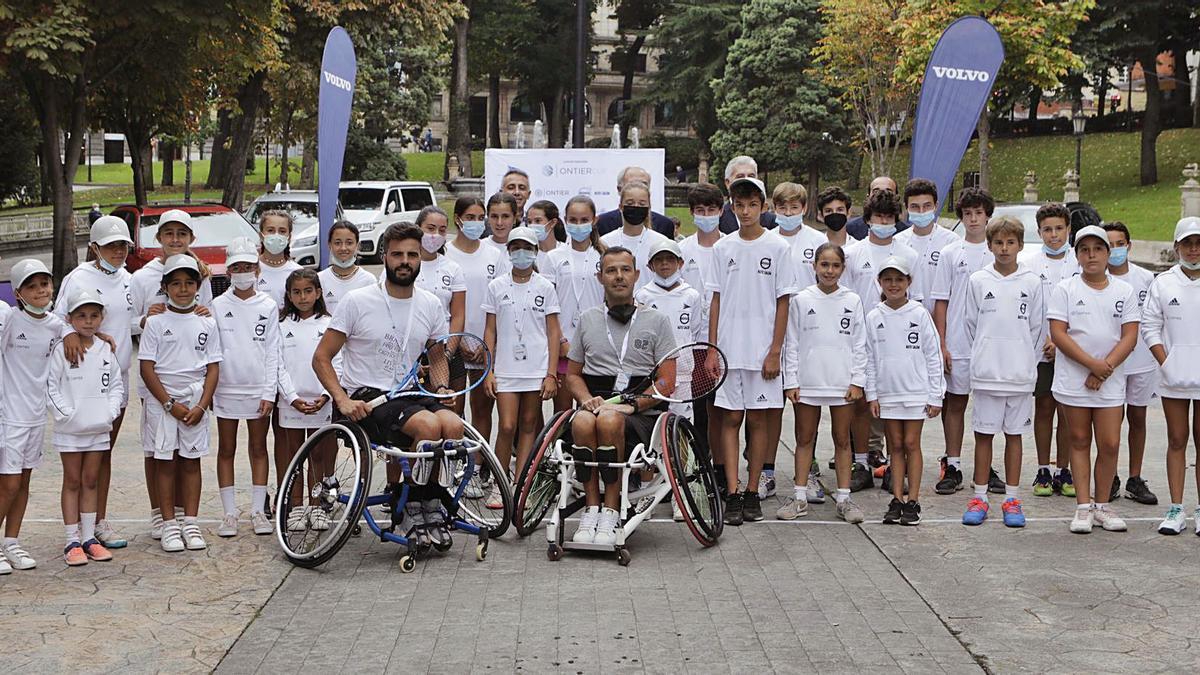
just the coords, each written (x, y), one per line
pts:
(290, 418)
(518, 385)
(902, 411)
(1142, 388)
(683, 410)
(1009, 414)
(125, 392)
(958, 380)
(824, 401)
(71, 443)
(190, 442)
(235, 407)
(746, 389)
(21, 449)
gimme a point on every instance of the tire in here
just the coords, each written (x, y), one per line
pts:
(693, 482)
(475, 511)
(342, 494)
(537, 482)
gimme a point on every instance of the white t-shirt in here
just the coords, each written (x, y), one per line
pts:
(479, 269)
(1140, 359)
(250, 340)
(443, 277)
(640, 245)
(521, 309)
(113, 291)
(273, 280)
(377, 353)
(145, 289)
(25, 346)
(863, 260)
(956, 264)
(929, 249)
(804, 245)
(543, 257)
(750, 276)
(573, 274)
(181, 347)
(1094, 319)
(335, 288)
(1050, 271)
(298, 339)
(697, 265)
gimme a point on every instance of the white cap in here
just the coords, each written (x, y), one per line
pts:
(182, 261)
(666, 245)
(753, 181)
(523, 234)
(175, 216)
(1186, 227)
(108, 229)
(26, 268)
(241, 249)
(80, 298)
(899, 263)
(1091, 231)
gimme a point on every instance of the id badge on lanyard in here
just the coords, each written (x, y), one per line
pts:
(520, 352)
(622, 380)
(395, 354)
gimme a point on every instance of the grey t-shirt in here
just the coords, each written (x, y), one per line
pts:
(650, 339)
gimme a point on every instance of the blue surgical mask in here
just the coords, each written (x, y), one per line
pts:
(922, 219)
(275, 243)
(342, 264)
(1056, 251)
(789, 223)
(1191, 267)
(579, 231)
(1118, 256)
(522, 259)
(106, 266)
(36, 311)
(883, 231)
(473, 229)
(541, 231)
(707, 223)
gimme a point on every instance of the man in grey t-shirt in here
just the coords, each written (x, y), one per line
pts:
(615, 346)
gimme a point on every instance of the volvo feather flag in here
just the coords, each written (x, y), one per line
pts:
(334, 98)
(958, 81)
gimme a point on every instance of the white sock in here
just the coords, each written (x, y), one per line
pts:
(258, 493)
(10, 541)
(189, 519)
(228, 501)
(981, 492)
(800, 492)
(842, 494)
(87, 526)
(860, 458)
(155, 514)
(1011, 491)
(72, 533)
(1180, 506)
(1043, 467)
(178, 512)
(955, 462)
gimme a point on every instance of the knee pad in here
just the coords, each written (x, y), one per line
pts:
(582, 472)
(607, 453)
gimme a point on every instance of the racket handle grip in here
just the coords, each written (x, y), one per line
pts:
(376, 402)
(614, 399)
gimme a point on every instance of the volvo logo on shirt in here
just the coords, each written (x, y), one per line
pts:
(446, 280)
(808, 253)
(764, 266)
(1141, 298)
(260, 329)
(105, 378)
(685, 318)
(913, 338)
(491, 270)
(539, 300)
(1118, 308)
(933, 257)
(845, 322)
(201, 339)
(1021, 309)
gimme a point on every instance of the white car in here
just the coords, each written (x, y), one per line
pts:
(302, 204)
(374, 205)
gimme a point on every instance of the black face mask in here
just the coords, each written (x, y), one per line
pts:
(635, 215)
(622, 313)
(835, 221)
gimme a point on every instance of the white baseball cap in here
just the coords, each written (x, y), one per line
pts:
(26, 268)
(182, 261)
(753, 181)
(666, 245)
(899, 263)
(80, 298)
(175, 216)
(1091, 231)
(241, 249)
(1186, 227)
(523, 234)
(108, 229)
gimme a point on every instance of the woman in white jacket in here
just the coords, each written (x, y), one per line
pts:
(825, 364)
(84, 400)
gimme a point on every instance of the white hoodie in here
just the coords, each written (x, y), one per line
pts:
(111, 289)
(825, 350)
(1171, 318)
(1050, 271)
(250, 342)
(1004, 317)
(904, 364)
(145, 289)
(85, 399)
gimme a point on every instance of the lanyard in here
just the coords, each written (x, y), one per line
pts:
(518, 317)
(624, 342)
(387, 303)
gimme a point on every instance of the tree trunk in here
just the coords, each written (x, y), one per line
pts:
(628, 72)
(557, 114)
(985, 153)
(814, 184)
(458, 128)
(1035, 99)
(44, 190)
(217, 158)
(853, 183)
(493, 111)
(166, 151)
(148, 165)
(137, 162)
(1102, 94)
(1152, 120)
(241, 140)
(284, 169)
(308, 163)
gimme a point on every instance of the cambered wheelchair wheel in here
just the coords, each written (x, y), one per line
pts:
(327, 481)
(537, 482)
(690, 470)
(472, 507)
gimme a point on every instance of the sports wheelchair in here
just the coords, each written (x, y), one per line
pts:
(681, 463)
(331, 474)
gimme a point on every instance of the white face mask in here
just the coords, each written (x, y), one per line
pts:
(34, 310)
(176, 305)
(432, 243)
(243, 280)
(275, 243)
(342, 264)
(667, 282)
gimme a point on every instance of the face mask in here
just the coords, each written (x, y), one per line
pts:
(522, 259)
(472, 229)
(541, 231)
(1056, 251)
(835, 221)
(789, 223)
(667, 282)
(432, 243)
(108, 267)
(1191, 267)
(707, 223)
(36, 311)
(622, 313)
(883, 231)
(275, 243)
(1118, 256)
(186, 307)
(243, 280)
(635, 215)
(341, 264)
(922, 219)
(579, 232)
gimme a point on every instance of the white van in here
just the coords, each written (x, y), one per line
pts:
(373, 205)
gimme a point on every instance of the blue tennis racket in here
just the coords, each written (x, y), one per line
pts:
(450, 366)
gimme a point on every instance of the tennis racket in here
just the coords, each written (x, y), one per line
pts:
(441, 371)
(701, 362)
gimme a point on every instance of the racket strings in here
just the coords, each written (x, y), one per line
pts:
(445, 364)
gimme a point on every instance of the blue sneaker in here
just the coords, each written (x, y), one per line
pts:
(1013, 515)
(977, 511)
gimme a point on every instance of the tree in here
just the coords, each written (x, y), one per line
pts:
(771, 107)
(634, 21)
(458, 123)
(398, 78)
(368, 159)
(548, 80)
(501, 29)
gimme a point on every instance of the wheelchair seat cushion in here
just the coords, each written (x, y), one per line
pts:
(385, 424)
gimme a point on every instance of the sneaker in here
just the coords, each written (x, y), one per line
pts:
(586, 533)
(318, 519)
(995, 483)
(156, 525)
(435, 522)
(751, 507)
(172, 538)
(850, 512)
(1013, 515)
(814, 469)
(261, 523)
(494, 499)
(193, 539)
(1064, 484)
(1108, 519)
(229, 526)
(74, 554)
(18, 558)
(1174, 523)
(1115, 493)
(106, 535)
(676, 512)
(910, 514)
(1082, 522)
(475, 488)
(1043, 483)
(792, 509)
(297, 519)
(5, 568)
(96, 551)
(886, 483)
(876, 459)
(1196, 520)
(860, 477)
(733, 509)
(816, 492)
(895, 507)
(1137, 490)
(606, 528)
(976, 512)
(951, 480)
(766, 486)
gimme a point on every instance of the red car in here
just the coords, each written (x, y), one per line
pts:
(214, 225)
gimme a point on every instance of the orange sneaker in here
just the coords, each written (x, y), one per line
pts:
(74, 555)
(96, 551)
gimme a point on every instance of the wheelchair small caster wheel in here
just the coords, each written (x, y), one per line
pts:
(481, 551)
(356, 531)
(443, 546)
(554, 552)
(623, 557)
(408, 564)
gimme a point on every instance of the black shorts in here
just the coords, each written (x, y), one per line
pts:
(638, 429)
(1045, 379)
(385, 423)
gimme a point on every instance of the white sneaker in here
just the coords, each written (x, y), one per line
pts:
(172, 538)
(676, 513)
(229, 526)
(474, 489)
(586, 533)
(193, 539)
(766, 486)
(1082, 522)
(1196, 519)
(297, 519)
(5, 568)
(495, 500)
(261, 523)
(156, 525)
(1108, 519)
(318, 518)
(1174, 523)
(606, 529)
(816, 492)
(108, 537)
(18, 558)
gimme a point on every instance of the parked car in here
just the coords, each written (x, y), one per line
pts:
(214, 225)
(302, 204)
(373, 205)
(1026, 213)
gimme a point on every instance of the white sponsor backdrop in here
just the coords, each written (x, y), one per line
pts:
(559, 174)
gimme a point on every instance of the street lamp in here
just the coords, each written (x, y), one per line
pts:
(1079, 122)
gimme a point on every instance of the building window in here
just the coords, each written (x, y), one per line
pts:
(664, 116)
(617, 61)
(587, 110)
(524, 109)
(435, 108)
(616, 109)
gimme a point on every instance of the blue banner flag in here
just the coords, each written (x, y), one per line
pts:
(334, 98)
(958, 81)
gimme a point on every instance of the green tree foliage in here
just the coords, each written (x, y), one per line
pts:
(19, 179)
(368, 159)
